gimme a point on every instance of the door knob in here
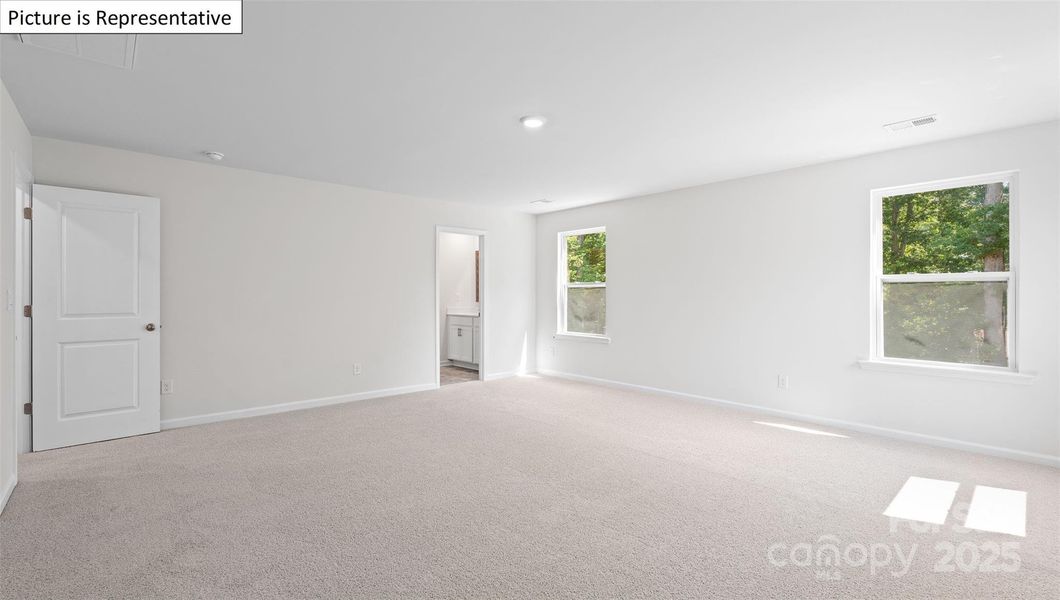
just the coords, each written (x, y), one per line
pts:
(150, 327)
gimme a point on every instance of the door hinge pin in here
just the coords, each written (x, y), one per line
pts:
(27, 408)
(27, 213)
(27, 310)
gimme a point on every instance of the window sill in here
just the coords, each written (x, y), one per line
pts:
(937, 370)
(582, 337)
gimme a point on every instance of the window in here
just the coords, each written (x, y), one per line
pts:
(583, 282)
(944, 277)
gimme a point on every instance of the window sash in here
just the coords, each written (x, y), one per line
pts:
(563, 329)
(880, 354)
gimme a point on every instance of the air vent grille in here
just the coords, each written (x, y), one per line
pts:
(914, 122)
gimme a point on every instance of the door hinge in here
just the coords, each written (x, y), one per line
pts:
(27, 213)
(27, 408)
(27, 311)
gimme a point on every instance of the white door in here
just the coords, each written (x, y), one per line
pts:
(96, 351)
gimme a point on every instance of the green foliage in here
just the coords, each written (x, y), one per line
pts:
(946, 231)
(587, 258)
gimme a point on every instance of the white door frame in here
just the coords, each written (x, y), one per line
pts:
(20, 296)
(482, 254)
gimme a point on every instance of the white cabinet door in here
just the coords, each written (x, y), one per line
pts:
(96, 351)
(461, 346)
(454, 344)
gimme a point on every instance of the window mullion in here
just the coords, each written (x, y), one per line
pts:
(999, 276)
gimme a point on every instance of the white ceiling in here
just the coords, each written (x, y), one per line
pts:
(424, 99)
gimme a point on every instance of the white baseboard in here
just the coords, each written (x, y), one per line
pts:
(503, 375)
(5, 494)
(1043, 459)
(289, 406)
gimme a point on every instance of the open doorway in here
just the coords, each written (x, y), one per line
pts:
(460, 303)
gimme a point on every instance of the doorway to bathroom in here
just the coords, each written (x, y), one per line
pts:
(460, 304)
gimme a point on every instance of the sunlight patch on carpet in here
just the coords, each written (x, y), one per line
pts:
(922, 499)
(998, 510)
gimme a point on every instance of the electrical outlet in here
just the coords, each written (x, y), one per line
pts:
(168, 386)
(356, 368)
(782, 382)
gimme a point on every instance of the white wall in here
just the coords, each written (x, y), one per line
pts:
(272, 287)
(715, 290)
(456, 280)
(15, 169)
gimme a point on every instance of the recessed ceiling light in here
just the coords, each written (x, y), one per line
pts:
(533, 121)
(214, 155)
(541, 201)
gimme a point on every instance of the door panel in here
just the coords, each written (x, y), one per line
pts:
(99, 259)
(96, 365)
(98, 377)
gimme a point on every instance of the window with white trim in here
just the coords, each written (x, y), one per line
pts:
(583, 282)
(944, 283)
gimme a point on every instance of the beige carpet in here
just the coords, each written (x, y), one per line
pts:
(527, 487)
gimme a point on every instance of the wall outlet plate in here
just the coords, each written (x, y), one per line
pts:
(782, 382)
(168, 386)
(356, 368)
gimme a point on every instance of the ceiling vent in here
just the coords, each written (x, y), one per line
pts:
(116, 50)
(915, 122)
